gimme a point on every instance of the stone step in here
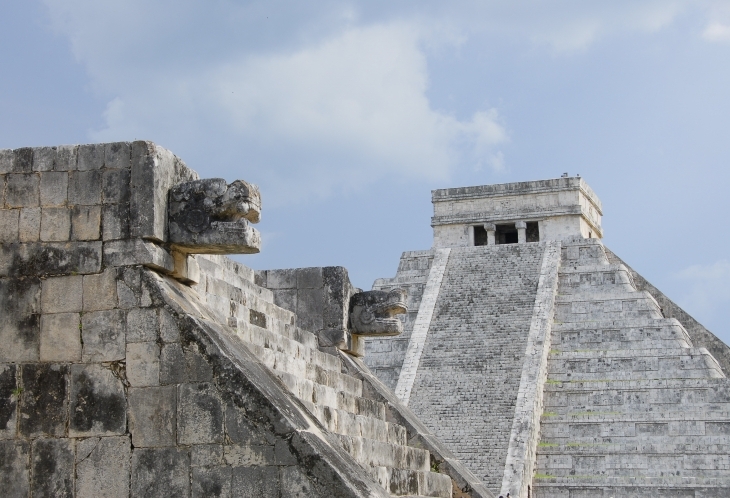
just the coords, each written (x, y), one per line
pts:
(553, 431)
(599, 306)
(644, 334)
(630, 487)
(582, 252)
(348, 424)
(678, 414)
(311, 392)
(593, 442)
(633, 364)
(591, 278)
(405, 482)
(600, 466)
(302, 369)
(721, 385)
(288, 346)
(372, 453)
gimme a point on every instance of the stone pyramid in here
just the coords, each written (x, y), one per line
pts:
(548, 366)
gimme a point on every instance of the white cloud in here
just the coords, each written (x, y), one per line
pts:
(717, 32)
(707, 287)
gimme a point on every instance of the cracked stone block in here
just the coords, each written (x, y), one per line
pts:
(142, 325)
(117, 155)
(19, 327)
(309, 278)
(14, 469)
(103, 335)
(255, 482)
(200, 414)
(240, 430)
(128, 287)
(44, 158)
(55, 224)
(51, 258)
(310, 303)
(152, 416)
(60, 337)
(115, 221)
(248, 455)
(294, 483)
(84, 188)
(62, 294)
(98, 403)
(172, 365)
(9, 225)
(90, 157)
(160, 472)
(211, 482)
(197, 367)
(281, 279)
(66, 157)
(115, 186)
(22, 190)
(206, 455)
(6, 161)
(138, 252)
(100, 291)
(53, 467)
(43, 400)
(102, 467)
(85, 222)
(143, 364)
(8, 401)
(54, 188)
(29, 226)
(169, 331)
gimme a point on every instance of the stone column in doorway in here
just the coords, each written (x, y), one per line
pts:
(490, 228)
(521, 227)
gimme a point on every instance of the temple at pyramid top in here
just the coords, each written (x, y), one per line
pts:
(519, 212)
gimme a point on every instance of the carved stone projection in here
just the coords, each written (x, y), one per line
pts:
(374, 313)
(212, 217)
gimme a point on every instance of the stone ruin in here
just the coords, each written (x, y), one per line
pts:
(518, 355)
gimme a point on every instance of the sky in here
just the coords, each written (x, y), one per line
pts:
(347, 114)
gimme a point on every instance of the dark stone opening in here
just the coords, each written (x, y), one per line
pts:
(506, 234)
(480, 236)
(532, 234)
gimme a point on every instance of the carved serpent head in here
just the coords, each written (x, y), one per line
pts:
(375, 312)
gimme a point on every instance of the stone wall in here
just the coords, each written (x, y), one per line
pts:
(468, 377)
(385, 355)
(115, 378)
(318, 296)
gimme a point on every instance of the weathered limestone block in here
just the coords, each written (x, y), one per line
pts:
(54, 188)
(43, 400)
(143, 364)
(98, 402)
(22, 190)
(211, 217)
(254, 482)
(374, 313)
(60, 337)
(161, 472)
(152, 420)
(53, 467)
(103, 334)
(14, 468)
(55, 224)
(19, 326)
(29, 225)
(9, 224)
(211, 482)
(55, 258)
(200, 414)
(8, 401)
(102, 467)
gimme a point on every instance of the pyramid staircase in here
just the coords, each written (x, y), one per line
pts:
(631, 408)
(319, 381)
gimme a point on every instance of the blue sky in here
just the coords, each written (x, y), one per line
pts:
(347, 114)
